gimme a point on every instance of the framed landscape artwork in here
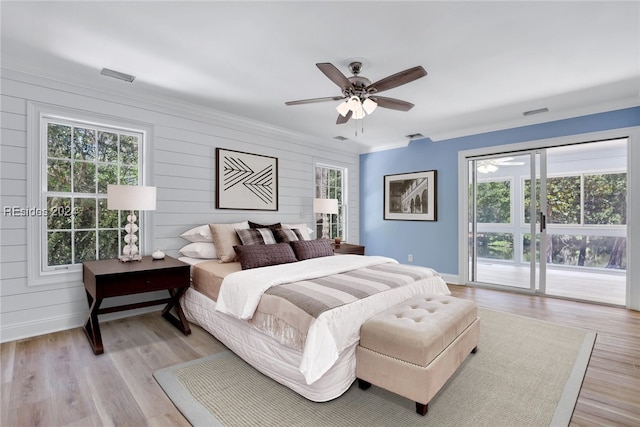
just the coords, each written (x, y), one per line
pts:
(246, 181)
(411, 196)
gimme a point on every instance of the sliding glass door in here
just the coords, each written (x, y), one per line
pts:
(500, 230)
(551, 220)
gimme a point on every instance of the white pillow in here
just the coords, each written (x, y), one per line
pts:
(198, 234)
(302, 228)
(205, 250)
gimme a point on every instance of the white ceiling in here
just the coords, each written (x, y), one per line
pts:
(487, 61)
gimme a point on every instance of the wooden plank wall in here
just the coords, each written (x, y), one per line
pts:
(181, 161)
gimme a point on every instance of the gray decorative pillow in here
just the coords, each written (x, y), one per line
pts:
(287, 235)
(256, 236)
(305, 249)
(254, 256)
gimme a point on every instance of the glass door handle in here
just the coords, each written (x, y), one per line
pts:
(543, 222)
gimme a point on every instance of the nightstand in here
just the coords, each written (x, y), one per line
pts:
(112, 278)
(347, 248)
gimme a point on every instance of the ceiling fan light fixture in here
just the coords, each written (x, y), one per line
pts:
(355, 106)
(369, 105)
(359, 114)
(343, 108)
(487, 168)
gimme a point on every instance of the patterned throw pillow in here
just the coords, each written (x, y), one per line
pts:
(256, 236)
(271, 226)
(254, 256)
(287, 235)
(305, 249)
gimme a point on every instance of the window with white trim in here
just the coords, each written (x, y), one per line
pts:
(81, 159)
(331, 183)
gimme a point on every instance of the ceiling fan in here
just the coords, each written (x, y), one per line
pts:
(360, 94)
(491, 165)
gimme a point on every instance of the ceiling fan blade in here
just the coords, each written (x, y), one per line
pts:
(344, 119)
(334, 75)
(312, 100)
(398, 79)
(392, 103)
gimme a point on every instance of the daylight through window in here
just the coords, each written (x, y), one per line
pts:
(81, 160)
(331, 184)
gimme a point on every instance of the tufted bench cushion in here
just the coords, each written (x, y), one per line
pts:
(414, 347)
(419, 329)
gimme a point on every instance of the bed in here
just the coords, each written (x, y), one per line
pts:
(310, 350)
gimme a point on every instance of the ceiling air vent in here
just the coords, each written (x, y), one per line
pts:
(538, 111)
(117, 75)
(415, 136)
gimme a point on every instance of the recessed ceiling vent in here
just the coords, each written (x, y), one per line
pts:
(117, 75)
(340, 138)
(538, 111)
(415, 136)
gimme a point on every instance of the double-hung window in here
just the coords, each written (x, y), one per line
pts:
(78, 160)
(331, 183)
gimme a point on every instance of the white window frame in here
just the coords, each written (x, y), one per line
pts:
(345, 195)
(633, 198)
(39, 273)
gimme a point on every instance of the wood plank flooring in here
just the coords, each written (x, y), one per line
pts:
(56, 380)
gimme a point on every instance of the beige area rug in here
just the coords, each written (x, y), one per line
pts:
(526, 373)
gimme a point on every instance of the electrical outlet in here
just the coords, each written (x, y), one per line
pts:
(410, 258)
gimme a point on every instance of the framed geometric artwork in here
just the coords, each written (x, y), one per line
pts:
(246, 181)
(411, 196)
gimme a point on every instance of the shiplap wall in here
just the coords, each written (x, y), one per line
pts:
(182, 166)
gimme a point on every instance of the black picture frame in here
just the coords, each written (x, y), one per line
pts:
(246, 181)
(411, 196)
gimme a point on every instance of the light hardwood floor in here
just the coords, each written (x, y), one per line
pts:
(55, 379)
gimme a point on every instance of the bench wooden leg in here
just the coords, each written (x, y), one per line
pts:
(422, 408)
(363, 384)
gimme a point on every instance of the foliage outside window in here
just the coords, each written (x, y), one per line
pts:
(330, 183)
(493, 201)
(495, 246)
(81, 161)
(604, 199)
(584, 200)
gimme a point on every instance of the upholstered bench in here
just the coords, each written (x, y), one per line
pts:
(413, 348)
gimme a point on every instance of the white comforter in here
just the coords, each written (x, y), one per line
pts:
(334, 329)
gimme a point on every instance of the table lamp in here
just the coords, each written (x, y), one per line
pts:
(324, 207)
(131, 198)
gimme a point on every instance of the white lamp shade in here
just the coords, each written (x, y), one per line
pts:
(343, 108)
(326, 206)
(369, 105)
(131, 198)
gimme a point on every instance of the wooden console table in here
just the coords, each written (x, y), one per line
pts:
(111, 278)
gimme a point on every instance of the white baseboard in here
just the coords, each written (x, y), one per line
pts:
(453, 279)
(62, 323)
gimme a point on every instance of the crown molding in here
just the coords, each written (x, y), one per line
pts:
(175, 107)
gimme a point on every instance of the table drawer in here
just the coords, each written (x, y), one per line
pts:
(144, 281)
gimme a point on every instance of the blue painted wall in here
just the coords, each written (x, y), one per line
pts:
(435, 244)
